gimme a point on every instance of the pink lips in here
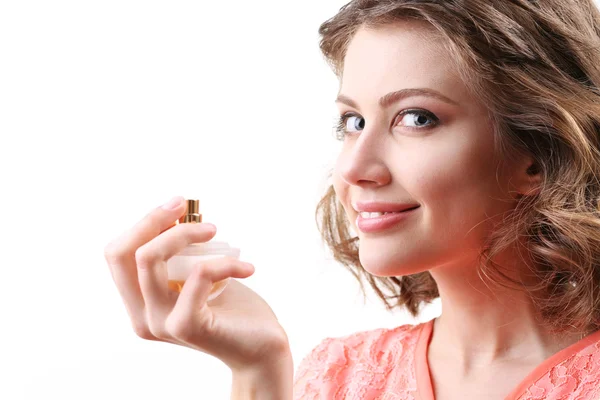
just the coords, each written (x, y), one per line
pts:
(380, 206)
(381, 223)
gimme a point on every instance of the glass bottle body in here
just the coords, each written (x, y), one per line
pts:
(181, 265)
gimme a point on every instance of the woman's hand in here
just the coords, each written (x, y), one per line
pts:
(238, 327)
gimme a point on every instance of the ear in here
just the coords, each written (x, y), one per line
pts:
(527, 177)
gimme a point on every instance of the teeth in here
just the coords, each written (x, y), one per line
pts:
(373, 214)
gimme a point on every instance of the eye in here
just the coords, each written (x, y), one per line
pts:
(351, 122)
(411, 119)
(417, 118)
(348, 123)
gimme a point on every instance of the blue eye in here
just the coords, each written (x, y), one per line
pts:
(411, 119)
(420, 120)
(342, 127)
(350, 123)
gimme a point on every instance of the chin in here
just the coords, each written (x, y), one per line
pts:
(385, 261)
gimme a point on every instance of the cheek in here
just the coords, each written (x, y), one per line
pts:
(456, 184)
(436, 178)
(340, 187)
(342, 193)
(453, 169)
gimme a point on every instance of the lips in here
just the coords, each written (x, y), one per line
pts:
(388, 212)
(383, 206)
(384, 222)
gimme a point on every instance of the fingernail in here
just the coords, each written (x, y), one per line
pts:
(173, 203)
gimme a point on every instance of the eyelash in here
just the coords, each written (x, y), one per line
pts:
(340, 125)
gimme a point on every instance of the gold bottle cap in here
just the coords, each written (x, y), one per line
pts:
(192, 213)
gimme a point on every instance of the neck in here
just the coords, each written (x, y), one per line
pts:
(482, 324)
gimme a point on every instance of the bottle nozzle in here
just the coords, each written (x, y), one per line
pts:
(192, 213)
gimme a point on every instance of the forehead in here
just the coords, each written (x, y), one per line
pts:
(403, 55)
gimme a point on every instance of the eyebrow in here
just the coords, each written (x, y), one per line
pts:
(393, 97)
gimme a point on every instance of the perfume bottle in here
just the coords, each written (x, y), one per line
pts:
(180, 266)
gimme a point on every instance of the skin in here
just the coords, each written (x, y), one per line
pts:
(238, 327)
(487, 339)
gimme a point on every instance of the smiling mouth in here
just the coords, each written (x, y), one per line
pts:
(380, 222)
(370, 215)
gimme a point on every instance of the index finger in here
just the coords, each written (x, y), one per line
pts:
(153, 224)
(120, 254)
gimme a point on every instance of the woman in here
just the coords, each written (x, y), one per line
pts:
(475, 127)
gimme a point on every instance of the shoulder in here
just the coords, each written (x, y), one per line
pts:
(363, 345)
(363, 358)
(576, 376)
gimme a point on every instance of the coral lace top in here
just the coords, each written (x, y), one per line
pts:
(391, 364)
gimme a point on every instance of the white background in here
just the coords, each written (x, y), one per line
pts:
(110, 108)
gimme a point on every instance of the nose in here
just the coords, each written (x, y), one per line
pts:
(361, 161)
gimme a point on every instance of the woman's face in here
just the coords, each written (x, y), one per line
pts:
(435, 151)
